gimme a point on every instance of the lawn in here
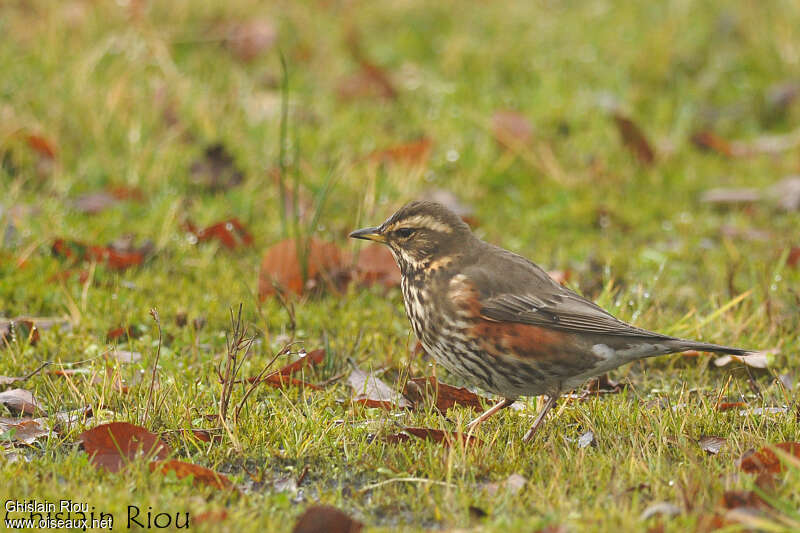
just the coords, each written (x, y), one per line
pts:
(642, 152)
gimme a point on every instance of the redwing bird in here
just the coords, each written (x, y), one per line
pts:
(498, 320)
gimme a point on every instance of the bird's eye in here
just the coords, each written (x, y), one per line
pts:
(404, 232)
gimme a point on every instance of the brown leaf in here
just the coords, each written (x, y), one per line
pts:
(765, 460)
(111, 446)
(281, 267)
(793, 259)
(114, 257)
(204, 435)
(326, 519)
(231, 233)
(251, 39)
(20, 401)
(735, 499)
(216, 170)
(437, 435)
(444, 396)
(726, 406)
(26, 430)
(708, 140)
(511, 129)
(121, 334)
(41, 146)
(369, 390)
(95, 202)
(711, 444)
(413, 154)
(200, 474)
(310, 359)
(634, 138)
(377, 265)
(27, 328)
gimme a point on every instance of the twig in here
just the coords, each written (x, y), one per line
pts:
(154, 314)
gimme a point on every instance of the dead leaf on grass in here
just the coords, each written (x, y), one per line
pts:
(20, 401)
(413, 153)
(448, 438)
(123, 356)
(711, 444)
(587, 439)
(377, 265)
(281, 267)
(370, 391)
(111, 446)
(114, 256)
(41, 145)
(326, 519)
(766, 460)
(25, 430)
(444, 396)
(634, 138)
(200, 474)
(231, 233)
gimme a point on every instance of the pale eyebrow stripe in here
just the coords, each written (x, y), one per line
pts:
(424, 221)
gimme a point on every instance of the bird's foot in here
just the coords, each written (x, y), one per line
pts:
(549, 404)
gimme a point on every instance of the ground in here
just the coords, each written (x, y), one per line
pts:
(127, 95)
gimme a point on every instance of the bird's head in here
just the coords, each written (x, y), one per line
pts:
(421, 235)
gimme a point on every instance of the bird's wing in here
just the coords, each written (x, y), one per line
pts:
(524, 293)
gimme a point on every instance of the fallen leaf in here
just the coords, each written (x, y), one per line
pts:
(20, 401)
(121, 334)
(305, 360)
(735, 499)
(708, 140)
(111, 446)
(370, 391)
(511, 129)
(586, 440)
(513, 484)
(281, 267)
(414, 153)
(726, 406)
(216, 170)
(114, 257)
(41, 146)
(251, 39)
(326, 519)
(231, 233)
(634, 138)
(204, 435)
(25, 431)
(437, 435)
(793, 259)
(766, 460)
(443, 395)
(377, 265)
(756, 360)
(200, 474)
(98, 201)
(711, 444)
(786, 193)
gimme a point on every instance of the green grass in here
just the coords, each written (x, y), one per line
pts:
(96, 78)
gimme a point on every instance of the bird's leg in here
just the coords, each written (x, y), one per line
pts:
(502, 404)
(549, 404)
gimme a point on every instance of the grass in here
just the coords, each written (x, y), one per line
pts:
(96, 80)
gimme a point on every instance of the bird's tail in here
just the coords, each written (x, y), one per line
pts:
(682, 345)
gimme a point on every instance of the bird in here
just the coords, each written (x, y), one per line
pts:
(499, 321)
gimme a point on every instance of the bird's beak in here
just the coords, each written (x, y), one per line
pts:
(369, 234)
